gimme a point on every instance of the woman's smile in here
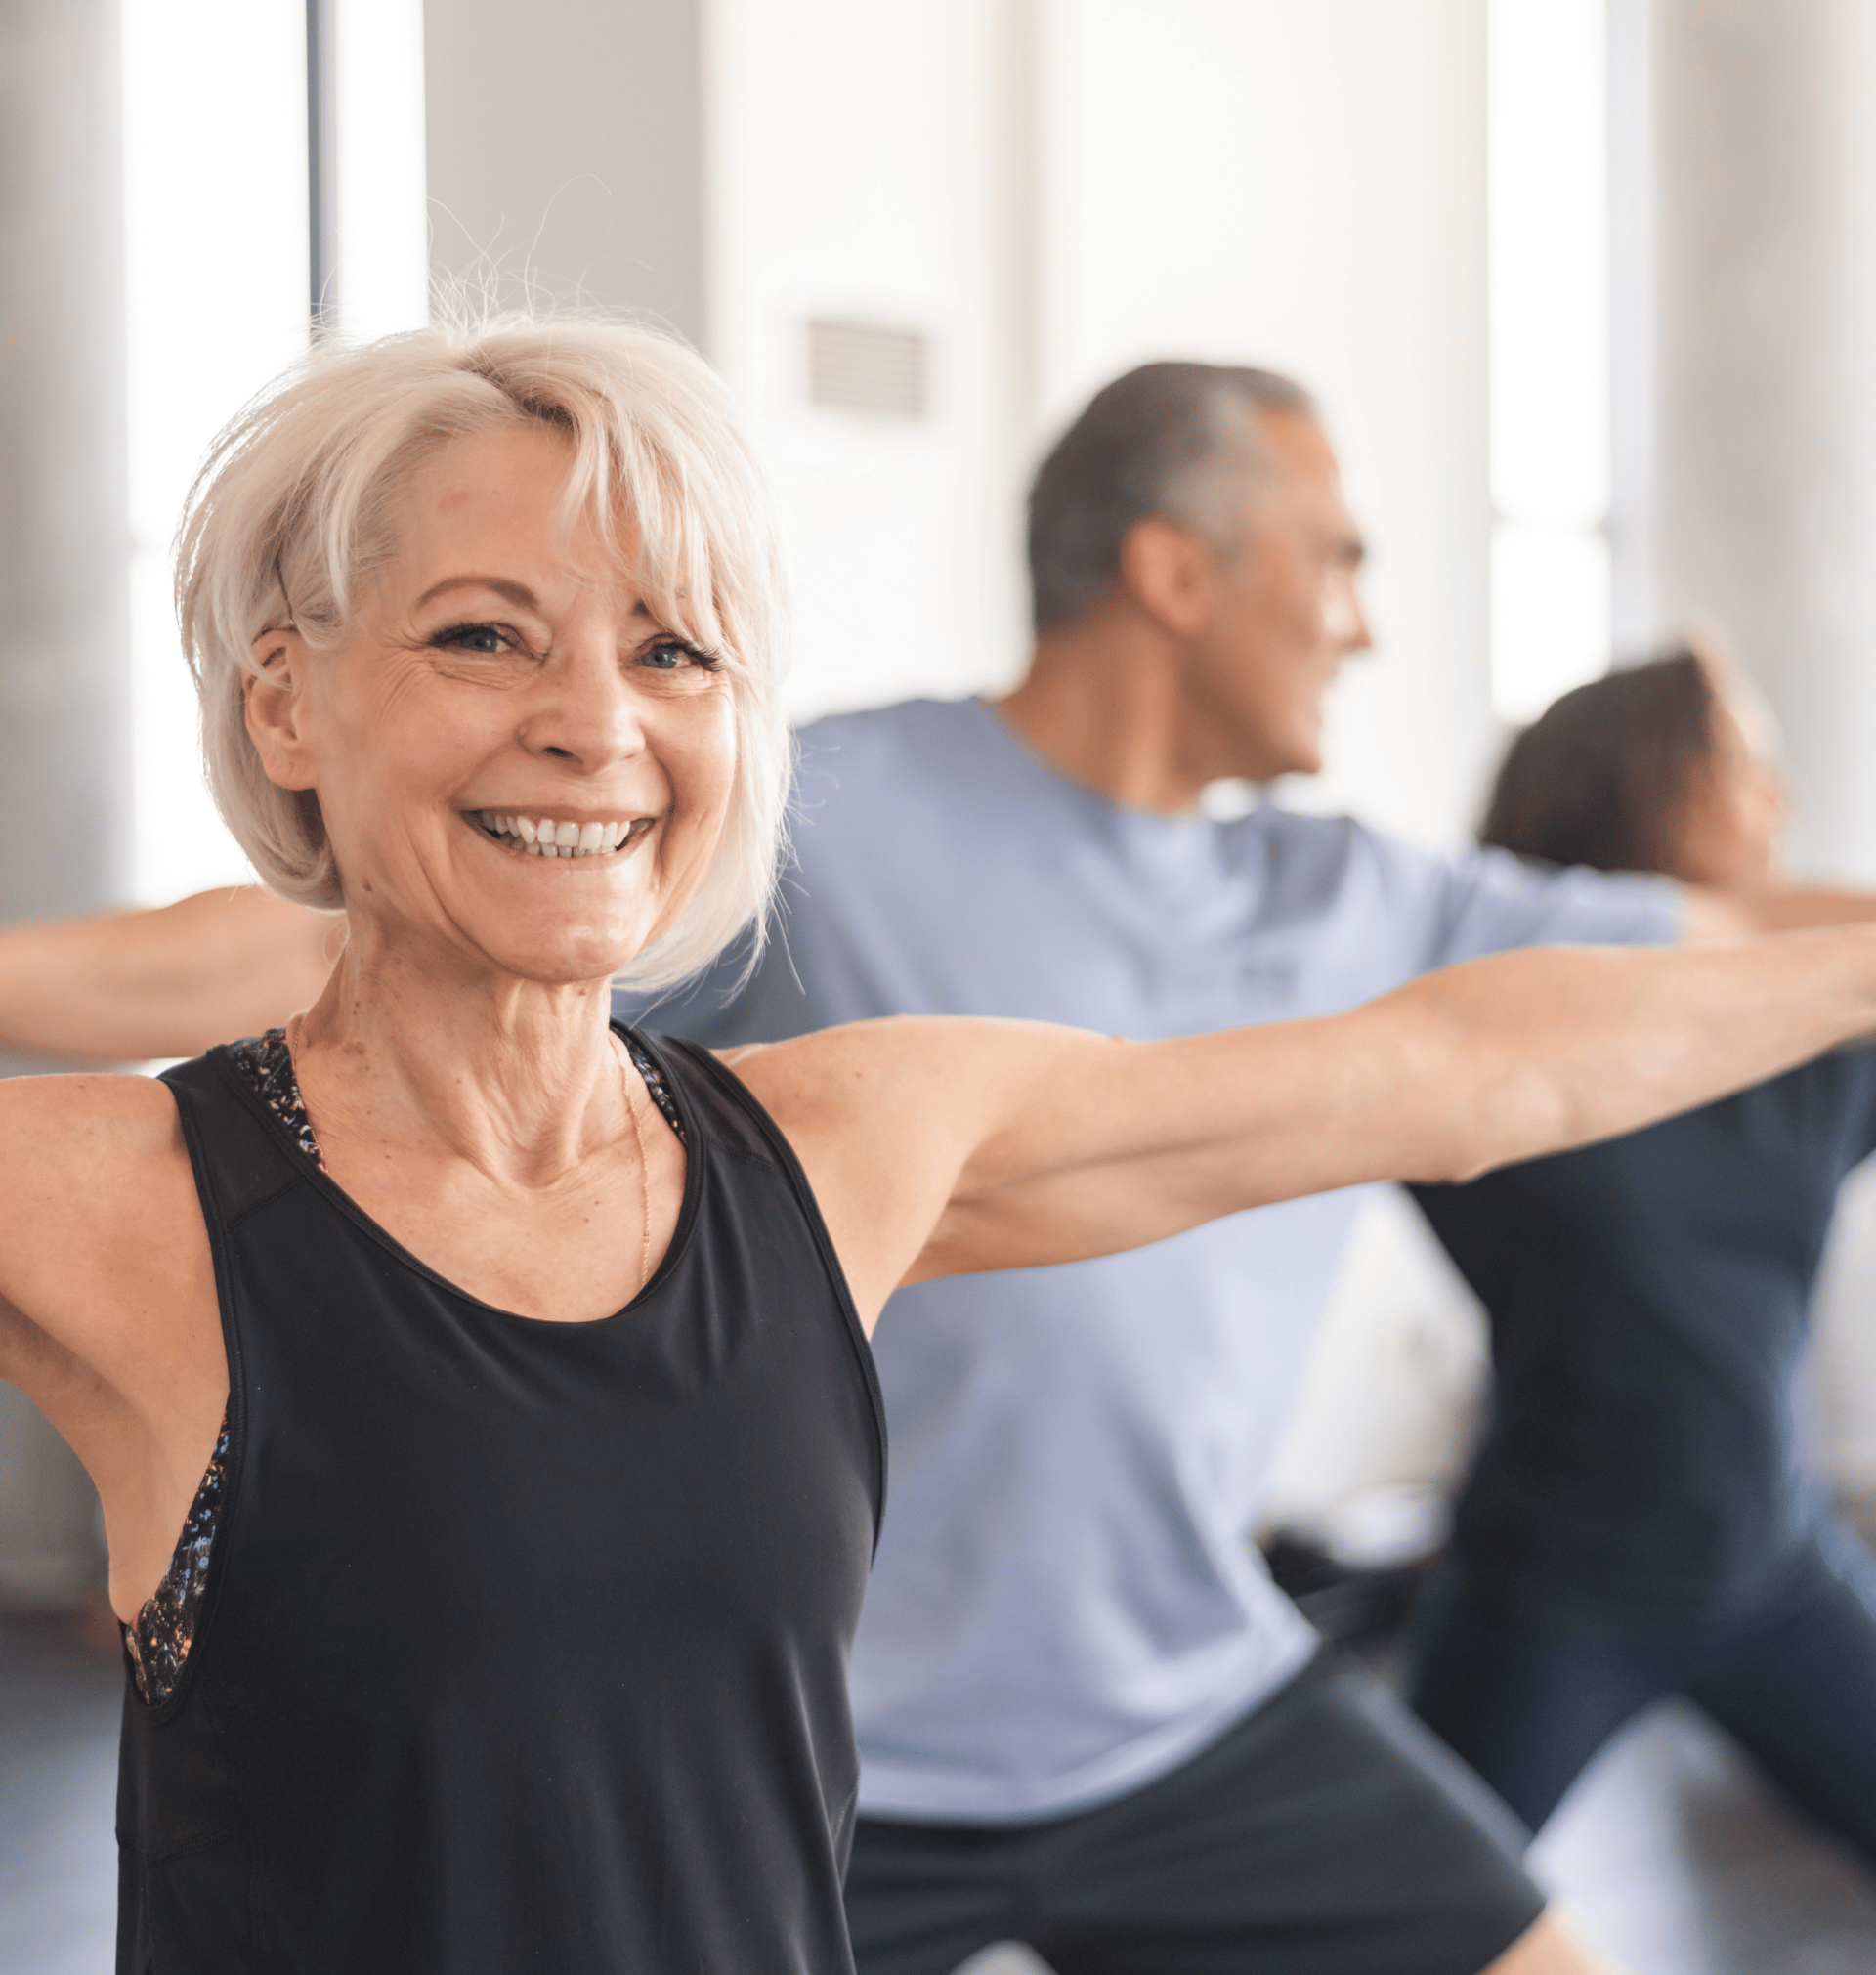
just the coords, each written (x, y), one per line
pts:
(558, 836)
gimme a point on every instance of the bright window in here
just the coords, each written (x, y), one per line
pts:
(383, 269)
(1547, 246)
(218, 297)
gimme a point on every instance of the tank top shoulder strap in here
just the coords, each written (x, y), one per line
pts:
(239, 1158)
(716, 1100)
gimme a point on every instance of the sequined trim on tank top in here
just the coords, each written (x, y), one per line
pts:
(159, 1643)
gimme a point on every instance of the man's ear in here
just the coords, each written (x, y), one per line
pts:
(274, 701)
(1170, 573)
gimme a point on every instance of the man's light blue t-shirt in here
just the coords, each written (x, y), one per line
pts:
(1065, 1603)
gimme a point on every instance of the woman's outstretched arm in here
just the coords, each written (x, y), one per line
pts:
(943, 1147)
(122, 986)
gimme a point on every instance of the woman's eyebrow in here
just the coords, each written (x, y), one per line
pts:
(517, 593)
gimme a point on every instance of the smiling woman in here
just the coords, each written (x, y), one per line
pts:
(504, 1370)
(632, 457)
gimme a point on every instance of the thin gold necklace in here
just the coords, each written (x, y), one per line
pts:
(628, 1075)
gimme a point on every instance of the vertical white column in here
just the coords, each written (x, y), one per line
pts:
(64, 755)
(1752, 373)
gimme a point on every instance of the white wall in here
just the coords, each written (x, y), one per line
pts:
(867, 164)
(1302, 186)
(564, 147)
(1754, 495)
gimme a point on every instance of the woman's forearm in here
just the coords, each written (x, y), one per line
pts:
(1530, 1053)
(1710, 914)
(123, 986)
(1548, 1049)
(1104, 1145)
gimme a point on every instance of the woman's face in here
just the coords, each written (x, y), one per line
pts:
(1733, 817)
(504, 680)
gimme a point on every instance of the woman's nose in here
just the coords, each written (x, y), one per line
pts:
(584, 711)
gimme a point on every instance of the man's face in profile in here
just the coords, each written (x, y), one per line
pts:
(1287, 614)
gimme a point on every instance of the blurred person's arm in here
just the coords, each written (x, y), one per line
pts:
(123, 986)
(1711, 914)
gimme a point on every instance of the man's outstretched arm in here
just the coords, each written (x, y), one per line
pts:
(121, 986)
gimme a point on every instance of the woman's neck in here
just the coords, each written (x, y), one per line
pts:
(519, 1076)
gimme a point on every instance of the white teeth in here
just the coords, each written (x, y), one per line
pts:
(543, 837)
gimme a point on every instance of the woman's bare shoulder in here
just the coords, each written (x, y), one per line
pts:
(857, 1061)
(93, 1168)
(93, 1119)
(827, 1069)
(100, 1232)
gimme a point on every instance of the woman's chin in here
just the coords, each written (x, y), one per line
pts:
(568, 967)
(559, 956)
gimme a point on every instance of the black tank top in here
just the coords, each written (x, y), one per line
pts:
(524, 1643)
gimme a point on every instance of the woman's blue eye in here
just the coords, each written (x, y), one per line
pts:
(669, 655)
(472, 638)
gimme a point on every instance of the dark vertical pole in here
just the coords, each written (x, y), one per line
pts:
(321, 162)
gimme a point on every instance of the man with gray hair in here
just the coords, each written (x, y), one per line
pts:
(1087, 1719)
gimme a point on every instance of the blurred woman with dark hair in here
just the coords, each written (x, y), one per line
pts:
(1638, 1521)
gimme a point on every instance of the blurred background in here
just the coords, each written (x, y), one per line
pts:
(1585, 285)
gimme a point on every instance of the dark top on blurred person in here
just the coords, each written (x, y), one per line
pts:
(1648, 1296)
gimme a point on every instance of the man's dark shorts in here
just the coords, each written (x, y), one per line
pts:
(1328, 1834)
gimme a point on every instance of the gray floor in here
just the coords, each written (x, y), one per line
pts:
(1673, 1857)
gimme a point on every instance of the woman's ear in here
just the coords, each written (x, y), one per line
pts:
(275, 705)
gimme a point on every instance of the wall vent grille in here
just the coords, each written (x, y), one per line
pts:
(854, 366)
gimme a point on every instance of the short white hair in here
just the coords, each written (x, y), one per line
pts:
(296, 508)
